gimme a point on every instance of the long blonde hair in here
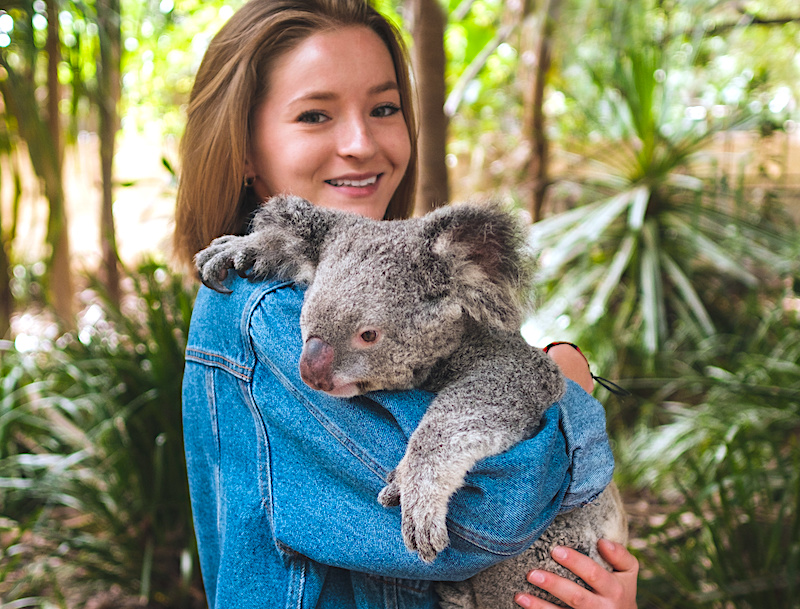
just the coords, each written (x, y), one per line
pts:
(231, 81)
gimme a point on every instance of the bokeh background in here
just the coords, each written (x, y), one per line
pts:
(652, 144)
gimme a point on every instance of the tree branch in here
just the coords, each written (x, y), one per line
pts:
(748, 20)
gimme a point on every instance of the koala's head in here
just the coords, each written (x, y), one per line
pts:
(389, 300)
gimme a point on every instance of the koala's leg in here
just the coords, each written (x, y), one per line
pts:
(502, 388)
(269, 252)
(284, 243)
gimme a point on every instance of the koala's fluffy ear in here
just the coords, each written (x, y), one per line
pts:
(484, 248)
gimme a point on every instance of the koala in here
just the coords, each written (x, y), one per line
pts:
(433, 303)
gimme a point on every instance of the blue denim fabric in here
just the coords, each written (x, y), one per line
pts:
(284, 479)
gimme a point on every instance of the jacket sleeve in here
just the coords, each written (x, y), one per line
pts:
(328, 458)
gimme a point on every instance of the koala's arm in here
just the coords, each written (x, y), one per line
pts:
(506, 501)
(495, 403)
(285, 241)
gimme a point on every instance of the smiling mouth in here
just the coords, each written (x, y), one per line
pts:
(353, 183)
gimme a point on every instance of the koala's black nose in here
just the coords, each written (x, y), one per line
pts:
(316, 364)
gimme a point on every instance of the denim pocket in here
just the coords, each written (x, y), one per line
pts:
(374, 591)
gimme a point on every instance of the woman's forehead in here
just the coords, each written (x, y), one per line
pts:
(327, 61)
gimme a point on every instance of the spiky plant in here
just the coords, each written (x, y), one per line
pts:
(725, 463)
(106, 480)
(657, 257)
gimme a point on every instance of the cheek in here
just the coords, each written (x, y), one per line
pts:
(282, 158)
(398, 145)
(288, 167)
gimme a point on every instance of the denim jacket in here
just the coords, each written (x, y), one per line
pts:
(284, 479)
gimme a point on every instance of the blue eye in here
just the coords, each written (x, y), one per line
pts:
(312, 117)
(385, 110)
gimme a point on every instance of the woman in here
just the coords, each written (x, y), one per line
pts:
(312, 97)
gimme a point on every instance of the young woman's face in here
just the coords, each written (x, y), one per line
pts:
(331, 129)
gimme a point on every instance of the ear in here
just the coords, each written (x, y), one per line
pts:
(484, 249)
(249, 171)
(248, 166)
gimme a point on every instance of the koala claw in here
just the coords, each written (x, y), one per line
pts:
(390, 495)
(216, 286)
(223, 254)
(425, 530)
(212, 274)
(424, 511)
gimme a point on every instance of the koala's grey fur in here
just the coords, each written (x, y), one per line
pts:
(431, 303)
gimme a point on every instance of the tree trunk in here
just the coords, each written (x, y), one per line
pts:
(428, 58)
(60, 276)
(108, 89)
(6, 297)
(538, 176)
(9, 233)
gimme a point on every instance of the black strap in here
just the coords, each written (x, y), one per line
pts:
(609, 385)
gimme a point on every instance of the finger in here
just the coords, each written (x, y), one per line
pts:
(589, 570)
(618, 556)
(626, 572)
(532, 602)
(572, 594)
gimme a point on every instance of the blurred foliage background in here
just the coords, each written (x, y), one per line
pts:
(654, 144)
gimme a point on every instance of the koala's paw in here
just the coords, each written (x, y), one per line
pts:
(424, 524)
(423, 510)
(224, 253)
(390, 495)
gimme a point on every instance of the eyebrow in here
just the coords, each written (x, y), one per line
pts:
(389, 85)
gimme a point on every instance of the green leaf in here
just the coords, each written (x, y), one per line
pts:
(597, 306)
(589, 230)
(722, 261)
(638, 209)
(652, 305)
(684, 286)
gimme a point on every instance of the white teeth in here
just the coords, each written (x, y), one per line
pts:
(357, 183)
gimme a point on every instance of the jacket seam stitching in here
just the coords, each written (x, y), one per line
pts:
(352, 447)
(200, 356)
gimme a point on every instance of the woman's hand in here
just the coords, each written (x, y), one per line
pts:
(609, 590)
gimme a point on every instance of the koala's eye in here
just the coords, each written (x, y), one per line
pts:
(366, 338)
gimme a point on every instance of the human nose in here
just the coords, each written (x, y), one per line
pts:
(356, 138)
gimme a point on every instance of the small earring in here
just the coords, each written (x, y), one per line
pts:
(249, 181)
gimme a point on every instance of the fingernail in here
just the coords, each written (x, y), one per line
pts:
(523, 600)
(536, 577)
(610, 545)
(559, 553)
